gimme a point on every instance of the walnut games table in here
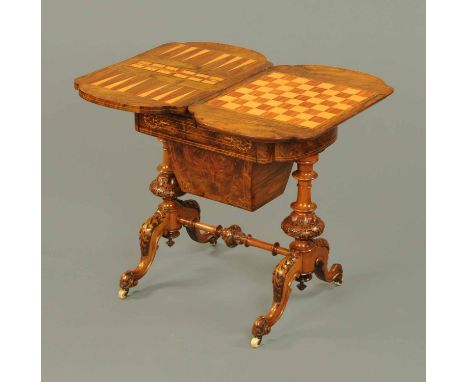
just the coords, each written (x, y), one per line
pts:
(232, 125)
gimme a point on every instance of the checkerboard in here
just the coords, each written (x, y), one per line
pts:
(292, 99)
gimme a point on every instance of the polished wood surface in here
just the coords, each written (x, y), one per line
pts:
(170, 77)
(232, 126)
(229, 180)
(287, 103)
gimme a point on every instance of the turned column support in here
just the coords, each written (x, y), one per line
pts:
(166, 187)
(303, 224)
(308, 254)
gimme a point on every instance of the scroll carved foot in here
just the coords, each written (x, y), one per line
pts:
(150, 233)
(190, 210)
(335, 273)
(288, 269)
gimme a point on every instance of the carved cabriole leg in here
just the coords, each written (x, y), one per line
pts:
(309, 253)
(284, 274)
(335, 274)
(150, 233)
(163, 223)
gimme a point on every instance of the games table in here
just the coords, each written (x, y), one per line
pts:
(232, 125)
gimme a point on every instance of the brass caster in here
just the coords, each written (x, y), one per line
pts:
(170, 242)
(338, 281)
(255, 342)
(123, 294)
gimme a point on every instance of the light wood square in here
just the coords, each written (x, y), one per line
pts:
(278, 110)
(283, 117)
(252, 104)
(276, 75)
(325, 85)
(325, 115)
(300, 80)
(341, 106)
(304, 116)
(299, 109)
(309, 124)
(294, 101)
(244, 90)
(255, 111)
(357, 98)
(231, 106)
(320, 107)
(351, 91)
(272, 102)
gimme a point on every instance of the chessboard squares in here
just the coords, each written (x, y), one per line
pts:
(288, 95)
(299, 109)
(280, 82)
(285, 88)
(227, 98)
(351, 91)
(244, 90)
(304, 86)
(273, 103)
(226, 105)
(264, 89)
(310, 124)
(336, 99)
(294, 101)
(291, 99)
(330, 92)
(269, 96)
(310, 93)
(356, 98)
(252, 104)
(260, 83)
(326, 115)
(342, 106)
(278, 110)
(320, 107)
(248, 97)
(283, 117)
(303, 116)
(276, 75)
(325, 85)
(300, 80)
(257, 112)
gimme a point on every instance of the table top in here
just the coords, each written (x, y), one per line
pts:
(170, 77)
(234, 90)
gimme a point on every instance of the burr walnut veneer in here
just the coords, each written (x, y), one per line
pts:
(232, 125)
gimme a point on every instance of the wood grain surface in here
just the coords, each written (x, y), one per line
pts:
(170, 77)
(287, 103)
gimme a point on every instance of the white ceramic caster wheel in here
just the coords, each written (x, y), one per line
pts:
(338, 282)
(255, 342)
(123, 294)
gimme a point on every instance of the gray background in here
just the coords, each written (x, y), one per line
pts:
(190, 317)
